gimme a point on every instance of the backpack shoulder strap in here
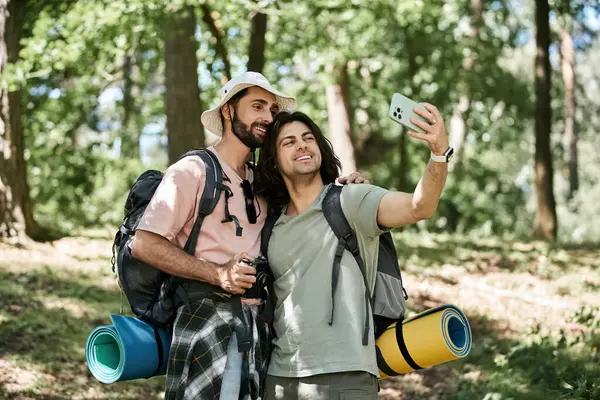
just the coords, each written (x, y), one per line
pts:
(266, 233)
(332, 208)
(347, 240)
(273, 213)
(210, 195)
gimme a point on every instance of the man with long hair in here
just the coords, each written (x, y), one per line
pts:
(313, 356)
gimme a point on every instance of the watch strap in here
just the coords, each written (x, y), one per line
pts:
(444, 158)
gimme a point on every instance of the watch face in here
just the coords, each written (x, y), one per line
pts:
(449, 153)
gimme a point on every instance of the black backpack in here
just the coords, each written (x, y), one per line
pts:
(154, 295)
(388, 300)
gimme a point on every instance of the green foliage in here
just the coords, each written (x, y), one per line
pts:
(62, 186)
(91, 75)
(95, 200)
(466, 205)
(91, 80)
(419, 49)
(73, 54)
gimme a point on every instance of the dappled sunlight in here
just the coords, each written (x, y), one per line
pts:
(15, 379)
(48, 310)
(524, 302)
(70, 254)
(521, 307)
(518, 309)
(78, 309)
(97, 92)
(430, 383)
(518, 288)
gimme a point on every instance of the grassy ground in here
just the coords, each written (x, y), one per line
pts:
(533, 309)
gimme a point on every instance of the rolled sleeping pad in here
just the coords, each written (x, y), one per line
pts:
(430, 338)
(128, 349)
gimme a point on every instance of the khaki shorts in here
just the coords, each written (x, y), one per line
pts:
(355, 385)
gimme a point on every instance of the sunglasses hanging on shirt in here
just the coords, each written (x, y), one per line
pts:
(249, 202)
(249, 198)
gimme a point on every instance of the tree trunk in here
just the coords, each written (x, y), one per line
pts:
(458, 128)
(545, 225)
(340, 128)
(16, 209)
(458, 124)
(402, 149)
(567, 52)
(219, 35)
(129, 135)
(12, 221)
(182, 95)
(256, 49)
(404, 167)
(476, 13)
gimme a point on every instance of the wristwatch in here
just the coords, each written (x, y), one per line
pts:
(445, 158)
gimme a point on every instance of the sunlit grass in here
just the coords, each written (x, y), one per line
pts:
(533, 310)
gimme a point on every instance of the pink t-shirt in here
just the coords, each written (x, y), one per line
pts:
(174, 208)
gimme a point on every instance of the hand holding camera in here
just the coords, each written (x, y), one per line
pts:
(235, 276)
(258, 289)
(255, 262)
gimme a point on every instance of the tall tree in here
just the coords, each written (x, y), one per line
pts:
(219, 36)
(458, 124)
(182, 96)
(340, 119)
(413, 68)
(567, 52)
(545, 224)
(256, 48)
(129, 136)
(16, 209)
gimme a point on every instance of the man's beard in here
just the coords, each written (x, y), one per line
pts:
(244, 133)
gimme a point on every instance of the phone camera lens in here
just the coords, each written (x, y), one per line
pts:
(398, 109)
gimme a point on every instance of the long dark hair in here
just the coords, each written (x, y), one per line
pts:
(269, 182)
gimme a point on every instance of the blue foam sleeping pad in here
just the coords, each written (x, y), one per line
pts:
(126, 350)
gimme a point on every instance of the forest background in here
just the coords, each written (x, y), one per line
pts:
(95, 92)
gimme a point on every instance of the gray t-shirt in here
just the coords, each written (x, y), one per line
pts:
(301, 252)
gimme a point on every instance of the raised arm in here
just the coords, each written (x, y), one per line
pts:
(398, 209)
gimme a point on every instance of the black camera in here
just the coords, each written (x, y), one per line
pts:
(263, 276)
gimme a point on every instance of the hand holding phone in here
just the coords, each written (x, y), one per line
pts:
(431, 130)
(402, 110)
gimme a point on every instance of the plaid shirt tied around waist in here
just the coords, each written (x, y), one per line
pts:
(199, 350)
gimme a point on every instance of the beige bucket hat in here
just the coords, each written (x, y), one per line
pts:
(211, 119)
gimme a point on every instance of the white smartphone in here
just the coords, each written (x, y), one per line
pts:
(402, 109)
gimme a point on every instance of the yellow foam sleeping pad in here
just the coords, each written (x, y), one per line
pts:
(430, 338)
